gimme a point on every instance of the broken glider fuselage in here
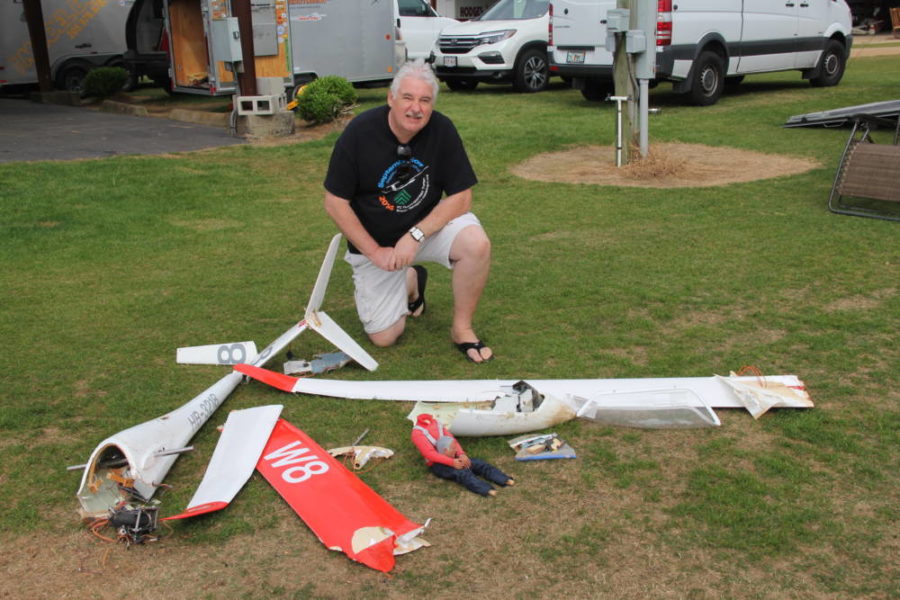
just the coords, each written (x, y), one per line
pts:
(132, 464)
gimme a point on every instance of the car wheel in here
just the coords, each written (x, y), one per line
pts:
(71, 77)
(831, 65)
(708, 79)
(461, 85)
(531, 71)
(596, 91)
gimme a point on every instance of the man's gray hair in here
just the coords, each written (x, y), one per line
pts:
(420, 70)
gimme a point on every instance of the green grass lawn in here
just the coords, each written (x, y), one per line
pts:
(109, 265)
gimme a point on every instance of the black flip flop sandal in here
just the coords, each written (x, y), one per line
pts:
(464, 347)
(421, 280)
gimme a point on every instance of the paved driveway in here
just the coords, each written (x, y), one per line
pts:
(32, 131)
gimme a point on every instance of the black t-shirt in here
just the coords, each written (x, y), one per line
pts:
(389, 191)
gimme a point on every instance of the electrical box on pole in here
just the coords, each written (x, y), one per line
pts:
(631, 37)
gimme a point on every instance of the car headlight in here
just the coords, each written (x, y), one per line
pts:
(492, 37)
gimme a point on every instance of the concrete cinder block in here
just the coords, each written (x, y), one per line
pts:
(279, 124)
(260, 105)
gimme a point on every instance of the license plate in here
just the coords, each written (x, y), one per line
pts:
(449, 61)
(575, 58)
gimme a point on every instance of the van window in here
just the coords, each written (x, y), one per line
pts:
(415, 8)
(515, 9)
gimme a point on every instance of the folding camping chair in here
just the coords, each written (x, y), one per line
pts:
(895, 21)
(868, 171)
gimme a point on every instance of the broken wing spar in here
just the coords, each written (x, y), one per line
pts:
(134, 462)
(499, 407)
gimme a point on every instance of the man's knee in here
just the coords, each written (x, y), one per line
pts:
(472, 242)
(389, 336)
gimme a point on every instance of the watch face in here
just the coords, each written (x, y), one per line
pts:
(417, 234)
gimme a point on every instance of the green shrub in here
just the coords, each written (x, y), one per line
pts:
(324, 99)
(103, 82)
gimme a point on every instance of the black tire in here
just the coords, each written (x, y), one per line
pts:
(596, 91)
(71, 76)
(707, 79)
(733, 82)
(462, 85)
(164, 82)
(532, 71)
(831, 65)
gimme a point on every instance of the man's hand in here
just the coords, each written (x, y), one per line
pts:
(405, 251)
(384, 258)
(462, 462)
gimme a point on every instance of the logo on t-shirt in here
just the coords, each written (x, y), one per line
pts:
(404, 185)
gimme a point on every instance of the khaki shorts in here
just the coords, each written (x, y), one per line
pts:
(381, 297)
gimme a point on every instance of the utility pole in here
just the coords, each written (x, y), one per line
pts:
(631, 36)
(624, 85)
(247, 75)
(34, 17)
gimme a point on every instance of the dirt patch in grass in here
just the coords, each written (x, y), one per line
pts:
(667, 165)
(866, 51)
(862, 303)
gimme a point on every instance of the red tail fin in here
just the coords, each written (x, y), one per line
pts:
(284, 383)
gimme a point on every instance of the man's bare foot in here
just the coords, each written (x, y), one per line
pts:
(511, 482)
(492, 493)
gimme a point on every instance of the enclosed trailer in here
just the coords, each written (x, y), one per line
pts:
(353, 39)
(80, 36)
(204, 44)
(294, 40)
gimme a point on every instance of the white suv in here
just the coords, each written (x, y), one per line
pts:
(507, 43)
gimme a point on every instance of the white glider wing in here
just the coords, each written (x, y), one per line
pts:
(496, 407)
(244, 436)
(712, 392)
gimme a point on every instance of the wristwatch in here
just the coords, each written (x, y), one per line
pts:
(416, 233)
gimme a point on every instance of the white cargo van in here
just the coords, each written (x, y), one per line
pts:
(704, 44)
